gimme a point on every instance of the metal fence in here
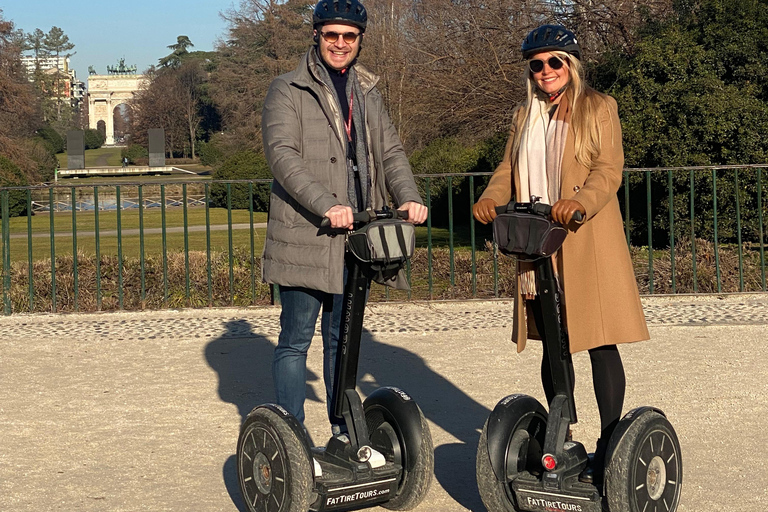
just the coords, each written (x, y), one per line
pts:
(690, 230)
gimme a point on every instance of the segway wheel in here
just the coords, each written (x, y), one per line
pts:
(523, 424)
(386, 426)
(644, 471)
(272, 465)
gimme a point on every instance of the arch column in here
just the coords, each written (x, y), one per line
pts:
(110, 120)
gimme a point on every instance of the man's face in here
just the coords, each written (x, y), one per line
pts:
(340, 53)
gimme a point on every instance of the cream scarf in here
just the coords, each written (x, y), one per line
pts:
(539, 164)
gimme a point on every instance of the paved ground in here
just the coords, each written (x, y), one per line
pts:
(141, 411)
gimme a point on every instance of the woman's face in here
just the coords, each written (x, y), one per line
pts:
(548, 79)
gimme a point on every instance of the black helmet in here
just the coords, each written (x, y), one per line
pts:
(548, 38)
(345, 11)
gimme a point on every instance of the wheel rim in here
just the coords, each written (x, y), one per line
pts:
(384, 439)
(262, 473)
(657, 475)
(263, 470)
(536, 426)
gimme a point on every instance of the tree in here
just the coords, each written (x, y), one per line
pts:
(694, 91)
(57, 43)
(20, 112)
(265, 39)
(36, 43)
(179, 52)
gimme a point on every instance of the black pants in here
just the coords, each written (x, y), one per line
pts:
(607, 377)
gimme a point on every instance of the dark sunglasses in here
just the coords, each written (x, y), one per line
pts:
(332, 37)
(537, 65)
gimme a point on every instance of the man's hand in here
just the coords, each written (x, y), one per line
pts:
(563, 210)
(340, 217)
(485, 210)
(417, 213)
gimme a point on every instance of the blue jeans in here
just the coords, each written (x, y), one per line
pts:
(297, 326)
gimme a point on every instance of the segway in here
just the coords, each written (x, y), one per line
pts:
(525, 459)
(386, 456)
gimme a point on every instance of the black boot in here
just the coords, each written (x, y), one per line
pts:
(593, 473)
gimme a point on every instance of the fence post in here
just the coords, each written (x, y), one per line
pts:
(98, 245)
(53, 250)
(30, 264)
(74, 249)
(4, 208)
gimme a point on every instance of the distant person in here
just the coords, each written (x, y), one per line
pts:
(125, 161)
(333, 151)
(565, 148)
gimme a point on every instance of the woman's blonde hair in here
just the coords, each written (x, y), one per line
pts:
(583, 117)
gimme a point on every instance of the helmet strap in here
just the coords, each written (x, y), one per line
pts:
(552, 97)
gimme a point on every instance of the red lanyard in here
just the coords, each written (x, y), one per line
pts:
(348, 122)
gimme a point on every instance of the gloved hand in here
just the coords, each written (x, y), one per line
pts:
(563, 210)
(485, 210)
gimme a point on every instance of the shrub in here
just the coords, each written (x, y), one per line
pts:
(12, 176)
(210, 154)
(134, 153)
(93, 139)
(243, 165)
(52, 139)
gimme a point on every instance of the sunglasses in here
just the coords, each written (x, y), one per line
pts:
(537, 65)
(332, 37)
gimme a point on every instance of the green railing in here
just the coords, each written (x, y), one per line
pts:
(152, 246)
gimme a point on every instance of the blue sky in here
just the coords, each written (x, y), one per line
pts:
(138, 30)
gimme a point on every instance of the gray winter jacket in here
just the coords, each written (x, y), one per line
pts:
(305, 145)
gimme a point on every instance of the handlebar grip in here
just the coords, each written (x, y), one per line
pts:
(370, 215)
(542, 209)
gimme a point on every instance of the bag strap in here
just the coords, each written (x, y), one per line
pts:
(530, 247)
(382, 235)
(401, 240)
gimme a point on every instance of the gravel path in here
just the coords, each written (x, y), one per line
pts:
(125, 412)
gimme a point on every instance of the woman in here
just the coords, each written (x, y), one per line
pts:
(565, 148)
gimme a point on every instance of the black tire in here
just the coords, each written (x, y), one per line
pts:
(497, 496)
(386, 438)
(644, 470)
(272, 465)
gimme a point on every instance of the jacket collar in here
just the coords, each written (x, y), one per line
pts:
(307, 75)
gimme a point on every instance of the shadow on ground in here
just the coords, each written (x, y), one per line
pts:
(442, 402)
(242, 359)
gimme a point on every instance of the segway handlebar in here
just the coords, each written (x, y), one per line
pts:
(370, 215)
(541, 209)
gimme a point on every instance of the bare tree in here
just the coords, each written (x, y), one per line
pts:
(19, 109)
(265, 39)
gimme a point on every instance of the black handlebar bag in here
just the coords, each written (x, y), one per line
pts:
(384, 246)
(526, 235)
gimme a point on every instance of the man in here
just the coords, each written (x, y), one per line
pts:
(332, 151)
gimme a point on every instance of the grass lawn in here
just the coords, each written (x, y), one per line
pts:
(109, 156)
(129, 220)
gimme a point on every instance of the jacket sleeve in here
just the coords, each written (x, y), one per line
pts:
(605, 171)
(281, 132)
(397, 170)
(499, 188)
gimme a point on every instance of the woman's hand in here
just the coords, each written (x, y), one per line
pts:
(563, 210)
(485, 210)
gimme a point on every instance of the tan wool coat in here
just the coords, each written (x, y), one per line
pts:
(602, 303)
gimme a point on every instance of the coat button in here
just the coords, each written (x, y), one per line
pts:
(334, 195)
(333, 159)
(576, 188)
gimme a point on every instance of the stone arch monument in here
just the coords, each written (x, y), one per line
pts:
(105, 92)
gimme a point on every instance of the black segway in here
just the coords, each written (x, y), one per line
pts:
(524, 459)
(386, 457)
